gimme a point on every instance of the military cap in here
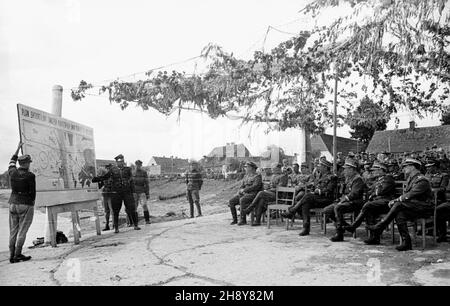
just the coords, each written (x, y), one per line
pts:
(367, 163)
(431, 162)
(295, 164)
(326, 163)
(304, 165)
(434, 146)
(322, 157)
(119, 157)
(193, 161)
(277, 165)
(138, 162)
(251, 164)
(350, 163)
(351, 154)
(108, 165)
(25, 159)
(411, 161)
(379, 165)
(364, 153)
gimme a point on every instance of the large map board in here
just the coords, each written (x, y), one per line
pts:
(63, 156)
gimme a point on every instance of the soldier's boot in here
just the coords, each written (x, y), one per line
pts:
(191, 209)
(406, 239)
(339, 236)
(352, 227)
(147, 217)
(441, 231)
(136, 216)
(12, 253)
(374, 239)
(380, 226)
(306, 228)
(259, 212)
(116, 228)
(249, 208)
(243, 220)
(199, 210)
(233, 214)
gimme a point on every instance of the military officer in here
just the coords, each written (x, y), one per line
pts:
(194, 182)
(438, 180)
(121, 191)
(415, 202)
(367, 174)
(351, 200)
(323, 195)
(302, 181)
(380, 193)
(141, 190)
(21, 204)
(265, 196)
(250, 186)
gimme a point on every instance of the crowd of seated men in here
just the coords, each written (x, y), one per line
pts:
(364, 184)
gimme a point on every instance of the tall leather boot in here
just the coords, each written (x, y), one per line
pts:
(406, 239)
(380, 226)
(306, 228)
(191, 209)
(374, 238)
(259, 212)
(233, 215)
(243, 220)
(352, 227)
(339, 235)
(12, 253)
(441, 227)
(137, 217)
(147, 217)
(199, 210)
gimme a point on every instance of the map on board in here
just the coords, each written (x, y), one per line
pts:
(62, 151)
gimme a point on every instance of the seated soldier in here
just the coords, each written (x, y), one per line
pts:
(302, 181)
(250, 186)
(380, 193)
(269, 195)
(322, 196)
(367, 174)
(351, 201)
(414, 203)
(438, 179)
(442, 216)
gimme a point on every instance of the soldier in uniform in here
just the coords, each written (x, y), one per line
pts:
(351, 200)
(380, 193)
(194, 182)
(414, 203)
(322, 196)
(21, 204)
(442, 216)
(438, 180)
(121, 191)
(340, 159)
(367, 174)
(265, 196)
(141, 190)
(302, 181)
(444, 162)
(106, 194)
(251, 185)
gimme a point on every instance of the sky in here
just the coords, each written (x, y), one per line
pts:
(43, 43)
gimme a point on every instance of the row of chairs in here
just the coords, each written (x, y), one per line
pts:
(285, 198)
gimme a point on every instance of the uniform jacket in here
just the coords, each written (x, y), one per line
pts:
(354, 189)
(417, 188)
(327, 185)
(194, 180)
(383, 188)
(278, 180)
(121, 179)
(438, 181)
(300, 179)
(23, 184)
(140, 181)
(252, 184)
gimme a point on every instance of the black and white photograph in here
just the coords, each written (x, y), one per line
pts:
(224, 149)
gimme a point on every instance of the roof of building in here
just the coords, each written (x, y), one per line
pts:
(104, 162)
(324, 142)
(167, 163)
(221, 151)
(408, 140)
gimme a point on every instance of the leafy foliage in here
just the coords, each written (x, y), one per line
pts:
(396, 51)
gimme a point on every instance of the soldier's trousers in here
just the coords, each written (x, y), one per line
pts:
(310, 201)
(243, 201)
(193, 196)
(337, 210)
(442, 216)
(20, 219)
(107, 207)
(261, 200)
(130, 207)
(411, 210)
(372, 209)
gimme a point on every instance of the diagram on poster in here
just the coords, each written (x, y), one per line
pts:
(62, 151)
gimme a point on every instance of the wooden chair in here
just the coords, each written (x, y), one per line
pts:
(284, 198)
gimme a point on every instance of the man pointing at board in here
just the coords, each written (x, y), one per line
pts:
(21, 204)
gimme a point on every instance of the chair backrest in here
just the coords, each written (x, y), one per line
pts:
(285, 195)
(399, 187)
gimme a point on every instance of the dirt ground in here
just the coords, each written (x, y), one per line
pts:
(209, 251)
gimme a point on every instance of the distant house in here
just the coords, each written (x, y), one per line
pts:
(412, 139)
(230, 150)
(101, 163)
(322, 145)
(272, 155)
(167, 165)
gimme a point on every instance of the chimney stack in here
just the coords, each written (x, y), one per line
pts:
(412, 125)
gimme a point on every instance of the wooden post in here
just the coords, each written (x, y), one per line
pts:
(335, 122)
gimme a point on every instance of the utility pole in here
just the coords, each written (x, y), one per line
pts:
(335, 119)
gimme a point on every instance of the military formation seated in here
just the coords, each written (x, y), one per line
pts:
(364, 184)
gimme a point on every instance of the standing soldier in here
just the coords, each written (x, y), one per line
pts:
(194, 182)
(351, 200)
(323, 195)
(106, 194)
(141, 190)
(121, 191)
(251, 185)
(414, 203)
(263, 197)
(21, 204)
(380, 193)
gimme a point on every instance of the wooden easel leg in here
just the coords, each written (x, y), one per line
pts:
(97, 221)
(76, 234)
(52, 227)
(79, 224)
